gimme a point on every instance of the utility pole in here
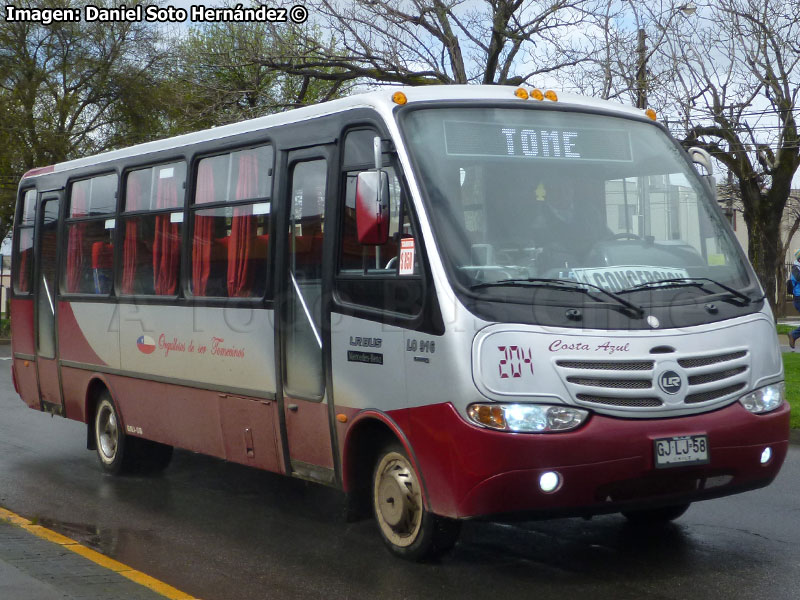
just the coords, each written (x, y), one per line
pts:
(687, 9)
(641, 70)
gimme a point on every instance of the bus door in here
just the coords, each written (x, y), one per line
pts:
(303, 311)
(45, 303)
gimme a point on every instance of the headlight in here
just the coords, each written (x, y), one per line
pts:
(530, 418)
(764, 399)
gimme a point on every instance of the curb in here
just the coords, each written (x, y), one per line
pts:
(159, 587)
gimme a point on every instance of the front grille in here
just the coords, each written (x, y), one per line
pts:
(704, 361)
(629, 384)
(716, 376)
(620, 401)
(607, 365)
(713, 394)
(622, 384)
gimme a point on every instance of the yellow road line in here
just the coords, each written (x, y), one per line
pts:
(157, 586)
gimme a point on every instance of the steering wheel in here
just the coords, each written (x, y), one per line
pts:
(626, 236)
(391, 263)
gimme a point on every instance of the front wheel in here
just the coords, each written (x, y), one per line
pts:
(408, 529)
(656, 516)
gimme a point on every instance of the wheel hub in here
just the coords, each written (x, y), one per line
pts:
(108, 433)
(397, 500)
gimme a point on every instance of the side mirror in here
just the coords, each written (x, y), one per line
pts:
(703, 159)
(372, 207)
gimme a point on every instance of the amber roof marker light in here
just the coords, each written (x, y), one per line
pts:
(399, 98)
(521, 93)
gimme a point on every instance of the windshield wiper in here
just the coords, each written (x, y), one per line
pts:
(691, 281)
(579, 286)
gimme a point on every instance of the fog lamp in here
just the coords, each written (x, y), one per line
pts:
(549, 482)
(766, 455)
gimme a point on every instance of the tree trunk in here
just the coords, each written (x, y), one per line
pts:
(763, 233)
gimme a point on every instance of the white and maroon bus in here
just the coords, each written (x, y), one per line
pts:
(449, 302)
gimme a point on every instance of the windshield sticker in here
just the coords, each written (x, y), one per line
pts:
(623, 277)
(406, 256)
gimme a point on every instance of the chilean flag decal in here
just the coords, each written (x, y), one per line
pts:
(146, 344)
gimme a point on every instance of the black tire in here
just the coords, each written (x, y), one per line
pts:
(407, 528)
(120, 453)
(151, 457)
(656, 516)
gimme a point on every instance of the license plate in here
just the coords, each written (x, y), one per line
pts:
(681, 450)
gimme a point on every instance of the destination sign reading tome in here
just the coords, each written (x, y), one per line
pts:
(525, 141)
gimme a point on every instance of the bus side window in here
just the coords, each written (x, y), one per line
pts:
(385, 276)
(88, 268)
(230, 216)
(23, 265)
(151, 242)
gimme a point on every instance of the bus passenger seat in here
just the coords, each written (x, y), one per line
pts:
(102, 266)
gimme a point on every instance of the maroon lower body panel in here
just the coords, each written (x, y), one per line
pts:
(236, 428)
(22, 326)
(25, 381)
(24, 369)
(607, 465)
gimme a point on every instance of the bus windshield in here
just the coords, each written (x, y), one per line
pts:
(520, 195)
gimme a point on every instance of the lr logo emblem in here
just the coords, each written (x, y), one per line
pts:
(670, 382)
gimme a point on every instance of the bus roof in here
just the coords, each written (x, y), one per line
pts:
(380, 100)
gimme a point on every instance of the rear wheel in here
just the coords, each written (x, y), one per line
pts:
(119, 453)
(407, 528)
(656, 516)
(110, 441)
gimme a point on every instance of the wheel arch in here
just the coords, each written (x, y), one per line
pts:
(369, 432)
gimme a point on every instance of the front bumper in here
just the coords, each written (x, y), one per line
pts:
(607, 465)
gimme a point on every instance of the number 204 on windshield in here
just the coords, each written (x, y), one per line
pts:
(681, 451)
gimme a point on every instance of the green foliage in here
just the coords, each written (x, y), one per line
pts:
(64, 86)
(791, 367)
(72, 89)
(224, 79)
(69, 89)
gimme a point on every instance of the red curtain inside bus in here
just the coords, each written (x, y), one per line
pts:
(134, 200)
(166, 243)
(243, 229)
(202, 239)
(25, 260)
(76, 240)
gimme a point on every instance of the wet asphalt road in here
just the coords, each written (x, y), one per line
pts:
(220, 531)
